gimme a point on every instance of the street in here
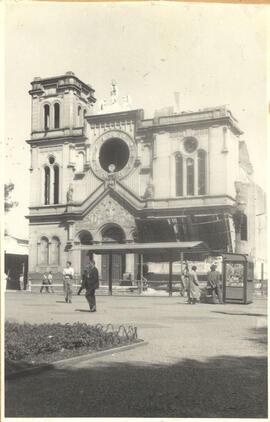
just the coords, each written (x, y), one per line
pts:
(201, 361)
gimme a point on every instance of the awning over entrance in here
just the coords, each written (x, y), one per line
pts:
(159, 252)
(166, 248)
(14, 246)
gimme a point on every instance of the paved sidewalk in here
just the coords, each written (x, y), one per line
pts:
(201, 361)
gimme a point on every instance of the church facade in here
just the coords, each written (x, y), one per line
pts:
(110, 175)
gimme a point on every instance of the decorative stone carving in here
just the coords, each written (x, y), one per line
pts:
(114, 92)
(114, 103)
(107, 211)
(149, 191)
(95, 164)
(70, 194)
(111, 181)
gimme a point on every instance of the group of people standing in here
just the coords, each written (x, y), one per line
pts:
(47, 283)
(190, 284)
(90, 282)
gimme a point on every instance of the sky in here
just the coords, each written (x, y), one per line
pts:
(212, 54)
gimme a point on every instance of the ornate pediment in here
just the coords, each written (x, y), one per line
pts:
(108, 210)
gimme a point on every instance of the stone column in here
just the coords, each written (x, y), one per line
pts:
(225, 134)
(87, 160)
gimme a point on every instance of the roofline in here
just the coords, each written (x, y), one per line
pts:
(157, 247)
(56, 78)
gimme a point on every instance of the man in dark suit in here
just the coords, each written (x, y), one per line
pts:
(213, 279)
(90, 284)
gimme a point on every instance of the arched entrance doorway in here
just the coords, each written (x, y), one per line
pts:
(85, 239)
(113, 234)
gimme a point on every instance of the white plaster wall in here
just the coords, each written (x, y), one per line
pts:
(217, 163)
(136, 182)
(85, 186)
(161, 165)
(232, 171)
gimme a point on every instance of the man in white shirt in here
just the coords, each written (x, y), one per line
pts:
(68, 275)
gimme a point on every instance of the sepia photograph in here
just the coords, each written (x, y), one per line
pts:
(134, 276)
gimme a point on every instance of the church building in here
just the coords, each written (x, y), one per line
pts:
(103, 173)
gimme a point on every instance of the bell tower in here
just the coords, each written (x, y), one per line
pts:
(58, 135)
(59, 105)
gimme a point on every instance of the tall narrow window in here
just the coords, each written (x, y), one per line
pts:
(56, 185)
(56, 115)
(190, 176)
(44, 250)
(201, 172)
(46, 117)
(79, 114)
(47, 186)
(55, 251)
(179, 175)
(244, 231)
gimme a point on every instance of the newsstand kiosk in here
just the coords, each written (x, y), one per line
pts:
(237, 272)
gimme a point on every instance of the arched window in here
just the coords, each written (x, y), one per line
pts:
(179, 175)
(55, 251)
(244, 229)
(56, 185)
(190, 176)
(44, 250)
(46, 185)
(201, 172)
(80, 162)
(79, 115)
(86, 238)
(56, 115)
(46, 117)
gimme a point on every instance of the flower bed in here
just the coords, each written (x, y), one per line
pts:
(44, 343)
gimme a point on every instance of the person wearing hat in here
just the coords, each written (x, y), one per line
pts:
(213, 281)
(90, 284)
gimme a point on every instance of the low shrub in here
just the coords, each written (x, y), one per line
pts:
(26, 341)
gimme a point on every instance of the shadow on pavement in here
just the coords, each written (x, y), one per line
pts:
(240, 313)
(259, 335)
(221, 387)
(82, 310)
